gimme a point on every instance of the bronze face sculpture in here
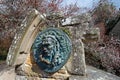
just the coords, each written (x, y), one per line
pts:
(51, 49)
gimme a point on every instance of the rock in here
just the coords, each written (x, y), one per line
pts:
(92, 74)
(62, 70)
(95, 74)
(7, 74)
(76, 64)
(28, 68)
(26, 78)
(91, 35)
(61, 74)
(90, 40)
(31, 78)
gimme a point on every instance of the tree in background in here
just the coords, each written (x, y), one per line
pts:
(12, 12)
(104, 11)
(107, 50)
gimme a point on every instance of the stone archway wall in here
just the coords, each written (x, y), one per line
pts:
(20, 56)
(23, 40)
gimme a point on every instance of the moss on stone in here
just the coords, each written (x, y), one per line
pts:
(66, 31)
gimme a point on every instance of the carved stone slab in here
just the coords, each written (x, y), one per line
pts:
(24, 38)
(76, 64)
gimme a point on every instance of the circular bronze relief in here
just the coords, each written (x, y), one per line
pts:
(51, 49)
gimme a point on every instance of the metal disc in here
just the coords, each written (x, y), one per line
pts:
(51, 49)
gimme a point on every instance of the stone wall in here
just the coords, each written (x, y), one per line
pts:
(21, 57)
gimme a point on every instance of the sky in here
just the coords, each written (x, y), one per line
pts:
(117, 3)
(90, 3)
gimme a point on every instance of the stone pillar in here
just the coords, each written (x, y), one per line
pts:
(76, 64)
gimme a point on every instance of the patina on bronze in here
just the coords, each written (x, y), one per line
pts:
(51, 49)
